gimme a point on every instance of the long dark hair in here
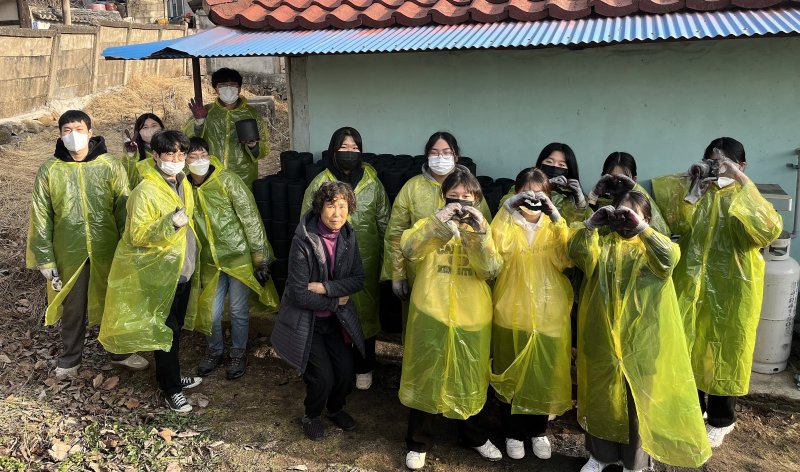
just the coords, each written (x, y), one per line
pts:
(532, 175)
(620, 159)
(569, 154)
(138, 126)
(732, 148)
(338, 138)
(448, 138)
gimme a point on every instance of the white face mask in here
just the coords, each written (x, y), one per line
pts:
(199, 167)
(76, 141)
(441, 165)
(228, 95)
(147, 134)
(171, 168)
(723, 182)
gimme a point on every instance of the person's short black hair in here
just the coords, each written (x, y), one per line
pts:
(569, 154)
(197, 143)
(339, 136)
(732, 148)
(74, 116)
(532, 175)
(225, 75)
(461, 176)
(620, 159)
(448, 138)
(330, 191)
(169, 141)
(635, 200)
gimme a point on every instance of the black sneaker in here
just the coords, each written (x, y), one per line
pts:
(177, 402)
(236, 364)
(208, 364)
(190, 382)
(343, 420)
(313, 428)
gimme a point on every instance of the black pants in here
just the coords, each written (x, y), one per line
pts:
(366, 364)
(329, 374)
(168, 367)
(721, 410)
(73, 323)
(632, 455)
(421, 427)
(522, 427)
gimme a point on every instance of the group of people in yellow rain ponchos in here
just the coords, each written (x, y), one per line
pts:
(151, 243)
(155, 241)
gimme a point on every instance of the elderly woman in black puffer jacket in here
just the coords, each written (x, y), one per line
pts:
(317, 325)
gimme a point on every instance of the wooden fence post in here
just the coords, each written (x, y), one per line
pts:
(158, 61)
(54, 56)
(96, 62)
(126, 69)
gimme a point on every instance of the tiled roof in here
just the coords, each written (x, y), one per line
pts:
(80, 16)
(344, 14)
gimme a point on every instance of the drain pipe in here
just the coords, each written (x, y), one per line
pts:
(796, 167)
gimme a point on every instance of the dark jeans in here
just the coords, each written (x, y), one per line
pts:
(632, 455)
(168, 366)
(721, 410)
(73, 323)
(421, 426)
(522, 427)
(366, 364)
(329, 374)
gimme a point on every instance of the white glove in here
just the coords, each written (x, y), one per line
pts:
(180, 218)
(400, 289)
(448, 212)
(515, 201)
(49, 274)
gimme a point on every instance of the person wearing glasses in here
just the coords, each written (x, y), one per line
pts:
(153, 285)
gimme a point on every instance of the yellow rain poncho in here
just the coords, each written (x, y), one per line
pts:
(531, 326)
(447, 338)
(563, 203)
(720, 279)
(369, 222)
(657, 222)
(230, 231)
(418, 199)
(131, 164)
(146, 269)
(219, 130)
(629, 330)
(77, 216)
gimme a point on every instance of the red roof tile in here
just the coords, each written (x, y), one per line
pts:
(320, 14)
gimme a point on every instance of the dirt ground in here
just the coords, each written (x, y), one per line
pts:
(110, 419)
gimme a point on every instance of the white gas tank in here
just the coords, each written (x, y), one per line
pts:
(774, 335)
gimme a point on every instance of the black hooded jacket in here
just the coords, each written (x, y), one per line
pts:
(97, 147)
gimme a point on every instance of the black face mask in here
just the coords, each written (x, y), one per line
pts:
(553, 171)
(347, 161)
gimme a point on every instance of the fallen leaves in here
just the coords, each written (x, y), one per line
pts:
(111, 383)
(198, 399)
(166, 434)
(5, 359)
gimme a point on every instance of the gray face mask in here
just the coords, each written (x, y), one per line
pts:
(228, 95)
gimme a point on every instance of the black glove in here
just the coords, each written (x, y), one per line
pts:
(262, 274)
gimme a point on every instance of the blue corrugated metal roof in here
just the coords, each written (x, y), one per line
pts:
(227, 42)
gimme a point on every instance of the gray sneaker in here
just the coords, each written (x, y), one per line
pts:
(208, 364)
(236, 364)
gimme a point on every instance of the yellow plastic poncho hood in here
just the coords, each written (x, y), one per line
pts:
(369, 222)
(630, 331)
(146, 270)
(219, 130)
(720, 279)
(230, 230)
(77, 216)
(531, 340)
(447, 338)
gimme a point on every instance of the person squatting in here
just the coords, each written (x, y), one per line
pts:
(153, 241)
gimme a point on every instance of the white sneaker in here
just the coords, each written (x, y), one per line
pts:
(364, 381)
(415, 460)
(489, 452)
(593, 465)
(541, 447)
(716, 435)
(133, 362)
(64, 373)
(515, 449)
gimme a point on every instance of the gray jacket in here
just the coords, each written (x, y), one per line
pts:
(291, 336)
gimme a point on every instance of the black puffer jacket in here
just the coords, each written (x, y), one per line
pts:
(291, 336)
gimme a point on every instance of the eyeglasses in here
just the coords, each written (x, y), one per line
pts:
(174, 155)
(447, 154)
